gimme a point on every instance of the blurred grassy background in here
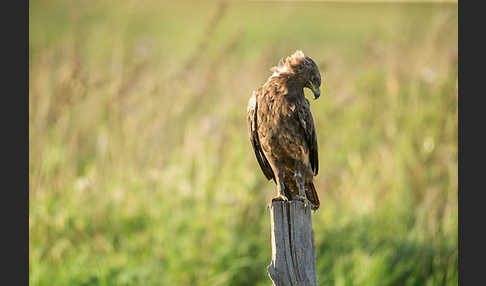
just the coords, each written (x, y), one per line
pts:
(141, 171)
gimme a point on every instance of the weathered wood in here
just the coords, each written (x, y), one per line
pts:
(293, 253)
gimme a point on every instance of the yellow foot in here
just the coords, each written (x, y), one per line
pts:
(301, 198)
(305, 201)
(280, 197)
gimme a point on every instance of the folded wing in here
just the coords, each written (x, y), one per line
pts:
(307, 123)
(253, 133)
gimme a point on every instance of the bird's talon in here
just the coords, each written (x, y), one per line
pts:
(280, 198)
(301, 198)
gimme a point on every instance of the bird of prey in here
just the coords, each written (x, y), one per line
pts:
(282, 130)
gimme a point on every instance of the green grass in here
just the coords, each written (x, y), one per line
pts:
(141, 171)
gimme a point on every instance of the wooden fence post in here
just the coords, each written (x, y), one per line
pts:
(293, 253)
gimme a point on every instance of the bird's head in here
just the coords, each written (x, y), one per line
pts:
(303, 69)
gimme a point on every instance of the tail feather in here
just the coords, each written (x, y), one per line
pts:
(312, 196)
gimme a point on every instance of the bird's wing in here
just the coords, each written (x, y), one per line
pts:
(255, 141)
(307, 123)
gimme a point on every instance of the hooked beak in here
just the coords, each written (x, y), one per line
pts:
(315, 90)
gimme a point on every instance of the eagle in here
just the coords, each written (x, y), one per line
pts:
(282, 131)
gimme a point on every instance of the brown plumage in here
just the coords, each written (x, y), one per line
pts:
(282, 130)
